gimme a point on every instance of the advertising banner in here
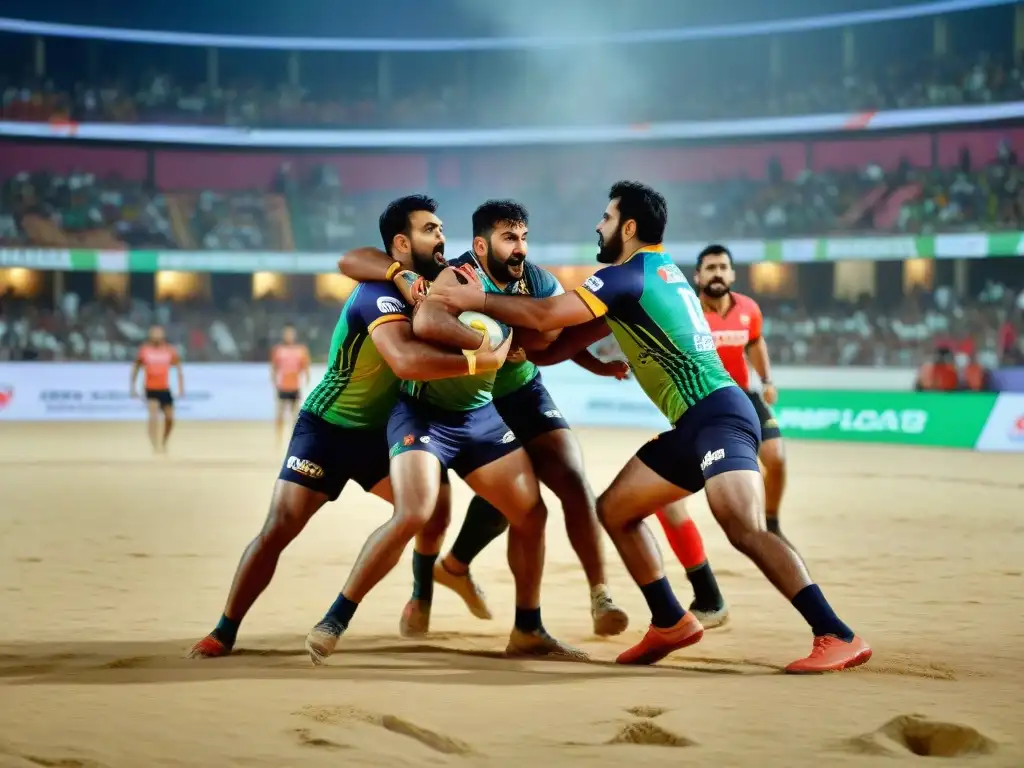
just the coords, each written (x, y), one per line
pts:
(1004, 430)
(948, 419)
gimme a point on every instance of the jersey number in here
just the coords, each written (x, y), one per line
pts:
(694, 309)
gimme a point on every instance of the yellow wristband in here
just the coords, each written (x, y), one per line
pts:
(393, 270)
(471, 359)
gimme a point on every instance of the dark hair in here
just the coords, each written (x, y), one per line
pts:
(645, 206)
(711, 250)
(494, 212)
(395, 219)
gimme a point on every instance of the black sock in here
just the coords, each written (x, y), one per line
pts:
(819, 614)
(528, 619)
(706, 595)
(423, 576)
(342, 611)
(773, 524)
(483, 524)
(665, 609)
(227, 631)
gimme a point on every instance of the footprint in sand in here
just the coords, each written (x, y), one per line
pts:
(922, 737)
(430, 739)
(646, 732)
(645, 711)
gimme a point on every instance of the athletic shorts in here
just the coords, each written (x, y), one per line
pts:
(719, 434)
(324, 457)
(162, 396)
(530, 412)
(769, 426)
(462, 441)
(288, 395)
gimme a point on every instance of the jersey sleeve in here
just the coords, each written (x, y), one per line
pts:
(756, 321)
(378, 303)
(544, 284)
(607, 288)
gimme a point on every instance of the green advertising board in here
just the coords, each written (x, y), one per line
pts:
(948, 419)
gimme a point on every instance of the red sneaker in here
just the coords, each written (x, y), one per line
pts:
(659, 643)
(208, 648)
(830, 654)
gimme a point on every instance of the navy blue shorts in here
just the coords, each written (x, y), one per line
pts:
(530, 411)
(324, 457)
(288, 395)
(769, 426)
(462, 441)
(721, 433)
(163, 397)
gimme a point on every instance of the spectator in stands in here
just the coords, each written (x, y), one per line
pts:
(940, 375)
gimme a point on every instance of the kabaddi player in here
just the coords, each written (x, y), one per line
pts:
(445, 424)
(289, 370)
(340, 434)
(735, 321)
(156, 357)
(713, 443)
(500, 230)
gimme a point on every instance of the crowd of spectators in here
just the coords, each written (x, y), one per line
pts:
(988, 328)
(444, 99)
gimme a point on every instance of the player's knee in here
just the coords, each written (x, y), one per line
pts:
(530, 516)
(285, 522)
(606, 511)
(408, 523)
(571, 487)
(773, 459)
(741, 534)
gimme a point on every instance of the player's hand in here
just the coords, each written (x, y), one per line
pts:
(770, 394)
(460, 288)
(488, 359)
(517, 355)
(616, 368)
(412, 286)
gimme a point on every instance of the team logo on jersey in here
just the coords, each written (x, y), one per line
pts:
(593, 283)
(408, 440)
(425, 439)
(670, 273)
(731, 338)
(745, 319)
(703, 342)
(711, 457)
(6, 395)
(305, 467)
(388, 305)
(555, 414)
(508, 437)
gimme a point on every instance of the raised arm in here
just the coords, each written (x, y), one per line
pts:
(366, 265)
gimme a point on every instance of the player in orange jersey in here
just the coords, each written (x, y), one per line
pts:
(735, 322)
(289, 370)
(157, 357)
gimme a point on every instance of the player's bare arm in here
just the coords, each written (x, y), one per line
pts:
(133, 381)
(372, 265)
(548, 314)
(181, 376)
(415, 360)
(757, 353)
(433, 322)
(571, 342)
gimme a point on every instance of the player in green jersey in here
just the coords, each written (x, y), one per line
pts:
(451, 423)
(713, 443)
(499, 255)
(340, 434)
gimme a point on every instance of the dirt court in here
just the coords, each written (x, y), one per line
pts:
(112, 562)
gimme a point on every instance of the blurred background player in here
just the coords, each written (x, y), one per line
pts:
(713, 443)
(500, 232)
(156, 357)
(289, 370)
(340, 433)
(736, 323)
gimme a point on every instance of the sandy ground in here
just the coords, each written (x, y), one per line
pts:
(112, 562)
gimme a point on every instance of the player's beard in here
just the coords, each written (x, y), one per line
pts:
(715, 289)
(501, 271)
(430, 264)
(609, 250)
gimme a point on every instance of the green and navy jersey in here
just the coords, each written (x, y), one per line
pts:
(460, 393)
(359, 389)
(536, 282)
(660, 326)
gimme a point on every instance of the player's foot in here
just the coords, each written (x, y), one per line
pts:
(415, 619)
(463, 585)
(322, 639)
(210, 647)
(659, 643)
(710, 618)
(609, 619)
(830, 654)
(540, 643)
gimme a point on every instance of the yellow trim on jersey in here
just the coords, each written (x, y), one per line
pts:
(594, 304)
(385, 319)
